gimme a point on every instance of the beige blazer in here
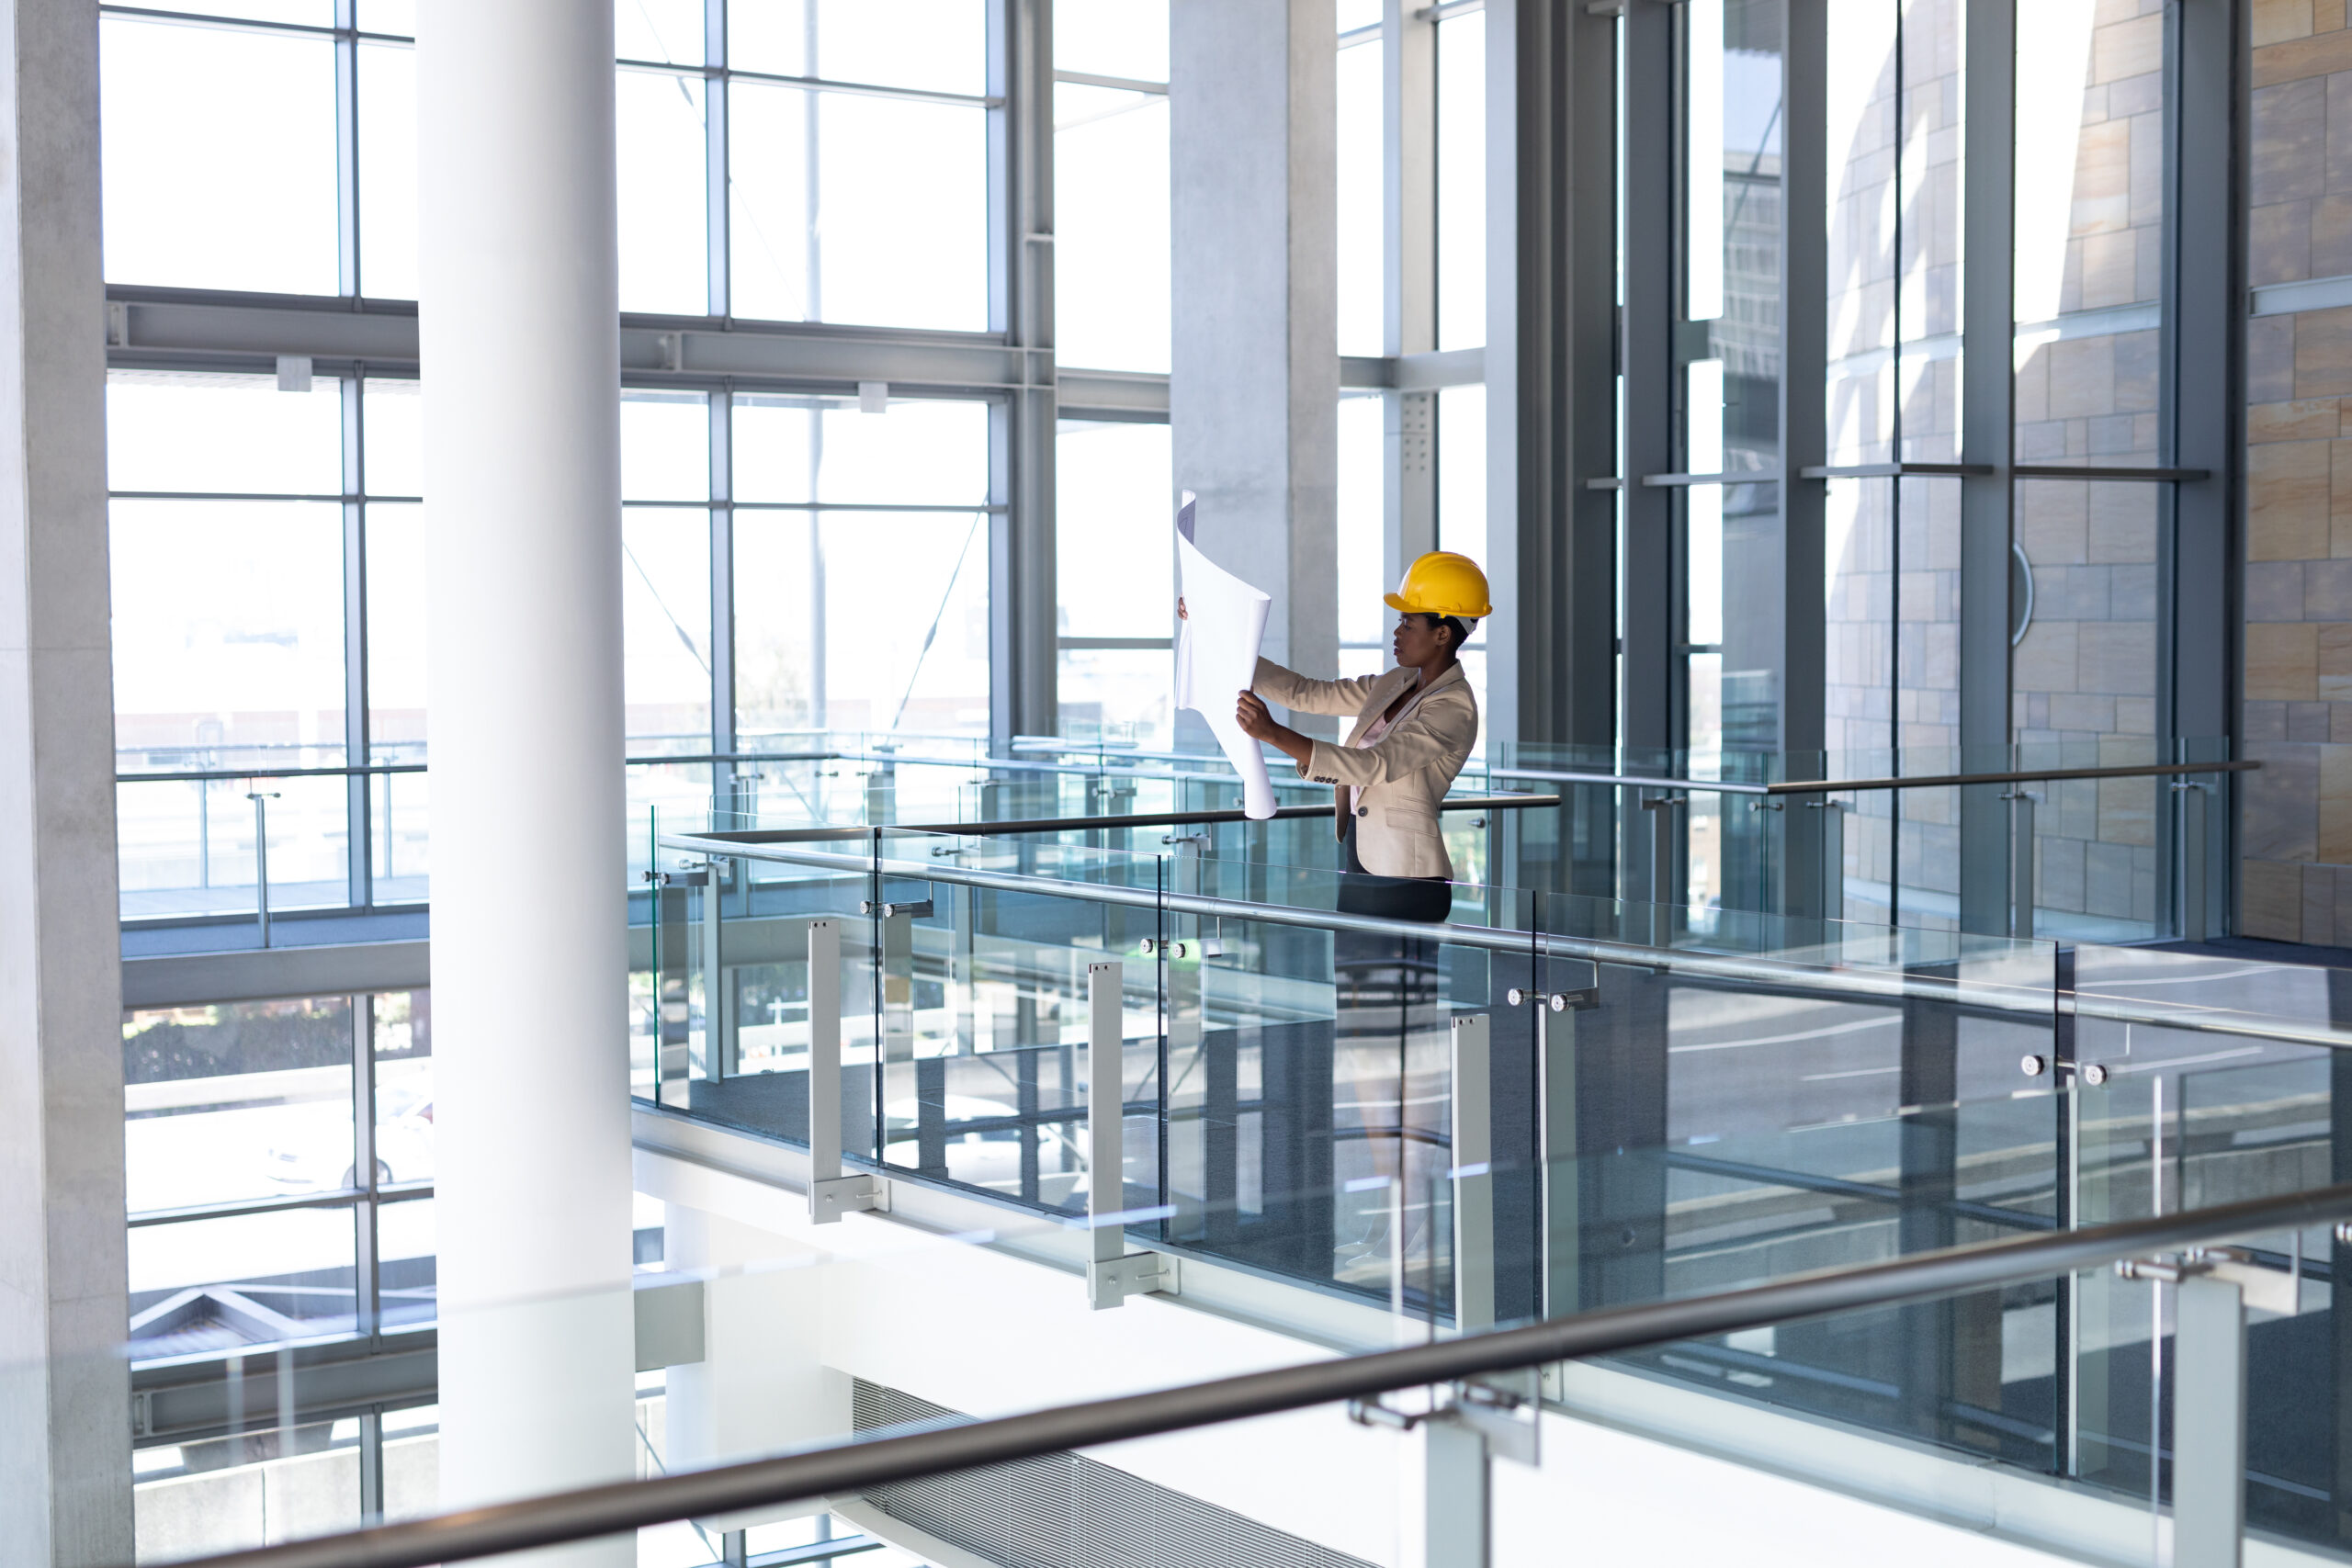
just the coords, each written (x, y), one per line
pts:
(1401, 779)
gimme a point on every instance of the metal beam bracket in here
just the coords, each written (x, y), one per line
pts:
(921, 909)
(831, 1197)
(1581, 1000)
(2264, 1290)
(1506, 1409)
(1109, 1282)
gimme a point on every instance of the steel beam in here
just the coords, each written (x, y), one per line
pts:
(2203, 393)
(1987, 396)
(1804, 290)
(1024, 593)
(1408, 327)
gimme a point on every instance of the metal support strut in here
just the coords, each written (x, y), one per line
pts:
(1112, 1273)
(830, 1194)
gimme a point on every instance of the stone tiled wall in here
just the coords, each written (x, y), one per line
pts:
(2295, 822)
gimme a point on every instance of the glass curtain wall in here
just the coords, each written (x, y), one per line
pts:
(2091, 282)
(1892, 554)
(268, 544)
(1114, 501)
(255, 1217)
(1729, 349)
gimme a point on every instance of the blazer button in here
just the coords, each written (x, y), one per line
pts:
(1363, 810)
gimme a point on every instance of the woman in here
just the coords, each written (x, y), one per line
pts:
(1415, 726)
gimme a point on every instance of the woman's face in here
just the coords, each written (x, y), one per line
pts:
(1417, 638)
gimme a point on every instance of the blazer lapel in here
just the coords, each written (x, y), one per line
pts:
(1383, 695)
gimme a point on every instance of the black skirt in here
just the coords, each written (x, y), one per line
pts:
(1425, 898)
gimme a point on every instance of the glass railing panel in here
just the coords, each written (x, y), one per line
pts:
(2258, 1129)
(721, 1002)
(985, 987)
(2178, 991)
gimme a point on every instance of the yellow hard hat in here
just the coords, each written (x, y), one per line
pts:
(1443, 583)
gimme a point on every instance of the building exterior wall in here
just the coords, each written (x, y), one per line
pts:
(2295, 827)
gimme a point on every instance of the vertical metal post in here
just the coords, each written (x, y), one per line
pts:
(2201, 377)
(830, 1194)
(2021, 890)
(348, 280)
(1648, 661)
(1105, 1109)
(721, 415)
(371, 1467)
(366, 1285)
(824, 1059)
(1408, 203)
(1457, 1509)
(717, 247)
(1472, 1177)
(1023, 656)
(261, 799)
(2208, 1423)
(1804, 411)
(2192, 860)
(717, 991)
(1112, 1273)
(1556, 1066)
(359, 836)
(1663, 847)
(1987, 394)
(1832, 858)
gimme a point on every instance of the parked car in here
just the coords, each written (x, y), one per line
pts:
(318, 1157)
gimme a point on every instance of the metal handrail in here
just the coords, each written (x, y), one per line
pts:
(1824, 975)
(1856, 786)
(1106, 823)
(1102, 769)
(590, 1512)
(1880, 984)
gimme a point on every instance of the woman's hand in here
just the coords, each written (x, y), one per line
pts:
(1180, 609)
(1250, 713)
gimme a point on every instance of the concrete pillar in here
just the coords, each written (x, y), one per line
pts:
(65, 1396)
(1254, 390)
(522, 379)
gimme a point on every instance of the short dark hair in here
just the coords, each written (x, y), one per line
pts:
(1459, 627)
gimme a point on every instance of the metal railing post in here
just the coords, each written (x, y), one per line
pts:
(261, 799)
(830, 1194)
(717, 996)
(1661, 808)
(2021, 891)
(2192, 863)
(1457, 1511)
(1112, 1273)
(2208, 1423)
(1474, 1191)
(1833, 859)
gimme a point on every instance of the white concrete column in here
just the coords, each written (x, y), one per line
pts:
(521, 380)
(64, 1395)
(1254, 394)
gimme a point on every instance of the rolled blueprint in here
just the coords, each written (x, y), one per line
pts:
(1216, 657)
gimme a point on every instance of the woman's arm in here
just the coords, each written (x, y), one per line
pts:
(1258, 725)
(1429, 734)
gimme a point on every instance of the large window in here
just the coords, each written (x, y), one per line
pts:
(1118, 570)
(255, 1215)
(854, 151)
(1111, 241)
(861, 566)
